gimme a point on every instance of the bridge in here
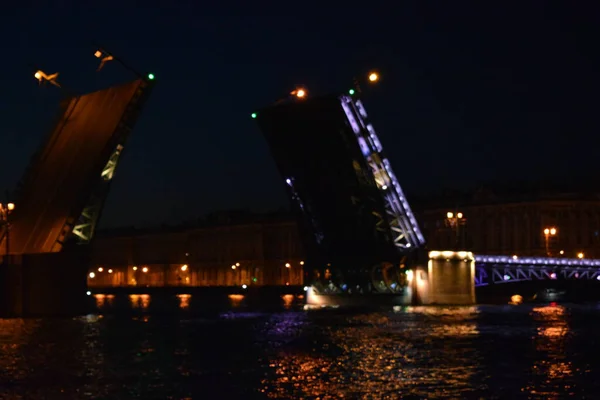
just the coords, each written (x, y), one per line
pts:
(361, 237)
(362, 241)
(510, 269)
(61, 195)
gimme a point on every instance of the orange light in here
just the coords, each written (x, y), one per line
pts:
(301, 93)
(100, 269)
(98, 54)
(373, 77)
(287, 265)
(38, 75)
(184, 267)
(10, 206)
(145, 269)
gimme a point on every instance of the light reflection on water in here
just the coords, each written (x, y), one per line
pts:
(413, 352)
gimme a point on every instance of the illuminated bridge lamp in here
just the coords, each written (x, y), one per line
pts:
(373, 77)
(299, 93)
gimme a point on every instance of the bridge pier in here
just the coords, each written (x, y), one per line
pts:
(448, 280)
(44, 284)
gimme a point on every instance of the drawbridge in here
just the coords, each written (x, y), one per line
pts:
(355, 221)
(60, 197)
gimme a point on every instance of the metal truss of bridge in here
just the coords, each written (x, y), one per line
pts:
(353, 214)
(402, 222)
(61, 195)
(507, 269)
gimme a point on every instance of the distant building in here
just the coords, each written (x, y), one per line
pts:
(514, 221)
(224, 250)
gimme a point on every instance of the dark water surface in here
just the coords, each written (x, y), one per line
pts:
(227, 351)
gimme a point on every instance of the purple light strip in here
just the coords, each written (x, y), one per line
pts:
(350, 115)
(347, 104)
(542, 261)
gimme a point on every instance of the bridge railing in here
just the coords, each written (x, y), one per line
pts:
(509, 269)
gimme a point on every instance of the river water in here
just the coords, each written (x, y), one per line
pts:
(237, 352)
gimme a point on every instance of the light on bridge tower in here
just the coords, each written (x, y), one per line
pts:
(299, 93)
(549, 232)
(455, 220)
(42, 77)
(5, 211)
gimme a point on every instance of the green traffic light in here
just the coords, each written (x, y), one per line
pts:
(351, 91)
(253, 115)
(151, 76)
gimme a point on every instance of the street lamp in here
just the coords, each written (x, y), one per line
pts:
(299, 93)
(372, 77)
(551, 231)
(5, 211)
(42, 77)
(455, 220)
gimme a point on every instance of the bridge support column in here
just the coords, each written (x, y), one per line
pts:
(45, 284)
(449, 279)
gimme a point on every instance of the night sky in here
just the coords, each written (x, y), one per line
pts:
(468, 94)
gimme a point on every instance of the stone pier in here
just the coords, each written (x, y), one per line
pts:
(449, 279)
(44, 284)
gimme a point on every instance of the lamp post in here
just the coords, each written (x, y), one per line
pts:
(5, 210)
(552, 231)
(454, 220)
(372, 78)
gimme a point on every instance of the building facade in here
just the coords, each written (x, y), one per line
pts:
(268, 251)
(563, 225)
(256, 253)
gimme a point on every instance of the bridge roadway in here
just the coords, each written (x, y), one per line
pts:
(491, 269)
(58, 184)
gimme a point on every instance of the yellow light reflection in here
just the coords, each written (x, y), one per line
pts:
(385, 361)
(139, 300)
(551, 363)
(184, 300)
(236, 299)
(104, 300)
(288, 300)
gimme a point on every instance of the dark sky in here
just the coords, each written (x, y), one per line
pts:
(468, 93)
